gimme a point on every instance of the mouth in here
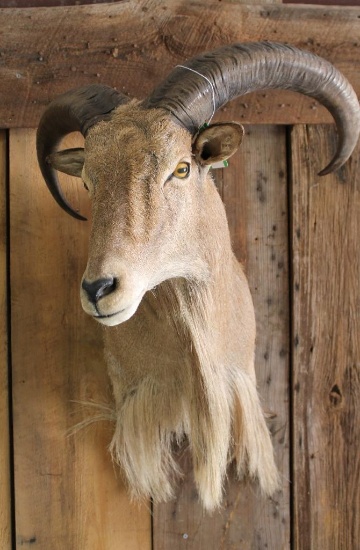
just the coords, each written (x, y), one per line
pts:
(97, 317)
(118, 317)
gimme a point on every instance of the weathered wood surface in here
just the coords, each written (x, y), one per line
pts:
(48, 3)
(67, 492)
(254, 189)
(133, 45)
(5, 475)
(325, 2)
(326, 346)
(67, 495)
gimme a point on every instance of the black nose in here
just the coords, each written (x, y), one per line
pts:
(98, 289)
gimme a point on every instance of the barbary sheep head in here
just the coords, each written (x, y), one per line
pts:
(145, 163)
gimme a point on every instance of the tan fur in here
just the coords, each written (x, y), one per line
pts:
(182, 365)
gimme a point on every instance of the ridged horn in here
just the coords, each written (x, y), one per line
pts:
(242, 68)
(76, 110)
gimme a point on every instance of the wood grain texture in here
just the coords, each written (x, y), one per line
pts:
(5, 473)
(49, 3)
(255, 194)
(68, 493)
(133, 45)
(326, 346)
(325, 2)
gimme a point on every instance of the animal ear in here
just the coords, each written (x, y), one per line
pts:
(69, 161)
(217, 142)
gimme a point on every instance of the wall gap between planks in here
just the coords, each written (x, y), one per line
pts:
(289, 175)
(152, 526)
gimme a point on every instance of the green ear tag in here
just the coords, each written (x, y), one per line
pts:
(203, 127)
(221, 164)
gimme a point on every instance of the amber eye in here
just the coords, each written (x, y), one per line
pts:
(182, 170)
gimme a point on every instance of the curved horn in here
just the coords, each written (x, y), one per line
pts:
(242, 68)
(76, 110)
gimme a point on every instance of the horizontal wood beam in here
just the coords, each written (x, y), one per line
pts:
(133, 44)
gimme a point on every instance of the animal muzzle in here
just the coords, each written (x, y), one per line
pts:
(111, 300)
(98, 289)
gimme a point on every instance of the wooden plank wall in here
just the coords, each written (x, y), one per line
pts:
(255, 196)
(297, 236)
(326, 345)
(71, 480)
(5, 446)
(67, 494)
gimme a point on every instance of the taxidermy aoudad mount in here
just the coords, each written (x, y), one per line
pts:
(161, 275)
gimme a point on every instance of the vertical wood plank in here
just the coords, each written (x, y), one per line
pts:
(68, 494)
(5, 499)
(326, 346)
(254, 189)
